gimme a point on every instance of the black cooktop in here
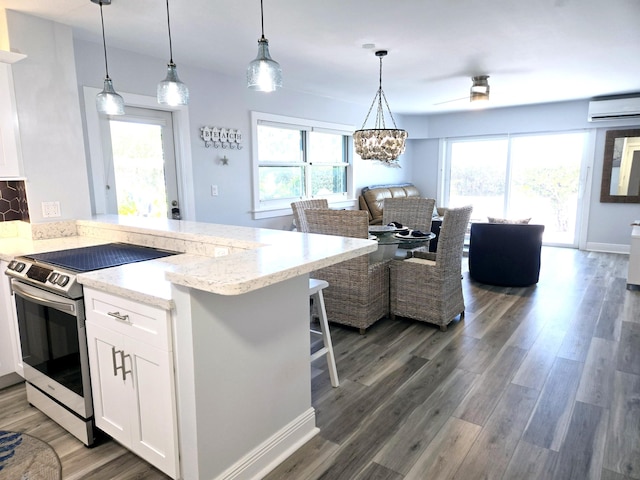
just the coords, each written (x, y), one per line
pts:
(87, 259)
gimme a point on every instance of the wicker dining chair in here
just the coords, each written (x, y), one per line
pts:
(413, 212)
(428, 286)
(300, 206)
(358, 291)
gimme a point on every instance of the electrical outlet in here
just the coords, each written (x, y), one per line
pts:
(50, 209)
(220, 251)
(214, 190)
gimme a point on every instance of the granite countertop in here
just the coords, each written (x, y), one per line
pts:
(221, 259)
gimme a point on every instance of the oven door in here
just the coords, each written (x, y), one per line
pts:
(54, 346)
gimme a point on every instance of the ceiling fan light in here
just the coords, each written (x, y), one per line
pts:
(171, 91)
(264, 73)
(479, 89)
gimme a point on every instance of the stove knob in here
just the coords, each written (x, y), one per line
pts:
(20, 266)
(12, 265)
(53, 277)
(63, 280)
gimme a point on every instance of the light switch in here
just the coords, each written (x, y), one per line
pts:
(214, 190)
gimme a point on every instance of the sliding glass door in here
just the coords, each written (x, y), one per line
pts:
(515, 177)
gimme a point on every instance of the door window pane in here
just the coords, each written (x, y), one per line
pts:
(527, 176)
(478, 174)
(545, 176)
(138, 163)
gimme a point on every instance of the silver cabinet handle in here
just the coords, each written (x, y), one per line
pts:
(119, 316)
(113, 358)
(115, 352)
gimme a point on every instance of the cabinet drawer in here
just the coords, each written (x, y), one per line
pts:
(142, 322)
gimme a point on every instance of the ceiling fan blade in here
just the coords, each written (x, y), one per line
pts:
(451, 101)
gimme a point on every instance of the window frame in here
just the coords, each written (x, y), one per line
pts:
(282, 207)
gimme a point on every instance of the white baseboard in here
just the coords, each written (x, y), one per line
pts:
(273, 451)
(608, 248)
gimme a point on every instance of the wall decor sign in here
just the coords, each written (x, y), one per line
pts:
(220, 137)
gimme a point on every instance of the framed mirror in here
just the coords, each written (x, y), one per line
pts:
(621, 167)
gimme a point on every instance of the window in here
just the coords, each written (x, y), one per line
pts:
(297, 159)
(523, 176)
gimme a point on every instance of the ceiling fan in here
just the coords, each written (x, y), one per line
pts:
(479, 91)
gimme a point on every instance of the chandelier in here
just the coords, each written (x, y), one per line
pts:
(380, 143)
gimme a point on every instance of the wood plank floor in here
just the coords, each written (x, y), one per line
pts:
(536, 383)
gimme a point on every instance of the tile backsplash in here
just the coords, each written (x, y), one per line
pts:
(13, 201)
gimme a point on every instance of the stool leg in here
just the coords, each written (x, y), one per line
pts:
(326, 338)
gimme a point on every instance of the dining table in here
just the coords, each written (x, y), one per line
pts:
(396, 242)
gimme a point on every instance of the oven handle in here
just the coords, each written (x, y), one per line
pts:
(27, 292)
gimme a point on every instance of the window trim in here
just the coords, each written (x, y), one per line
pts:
(278, 208)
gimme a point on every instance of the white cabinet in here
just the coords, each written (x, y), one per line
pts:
(10, 151)
(10, 351)
(132, 376)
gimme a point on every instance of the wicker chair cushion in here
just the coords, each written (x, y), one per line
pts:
(421, 261)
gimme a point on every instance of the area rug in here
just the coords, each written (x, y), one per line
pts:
(23, 457)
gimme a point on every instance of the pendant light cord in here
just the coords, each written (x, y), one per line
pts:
(169, 28)
(379, 123)
(104, 44)
(262, 19)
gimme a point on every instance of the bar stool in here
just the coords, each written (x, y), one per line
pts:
(315, 292)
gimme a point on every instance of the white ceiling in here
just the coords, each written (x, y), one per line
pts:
(534, 51)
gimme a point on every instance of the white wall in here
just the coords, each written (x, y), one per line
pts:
(49, 116)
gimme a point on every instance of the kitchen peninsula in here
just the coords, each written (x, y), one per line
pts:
(237, 303)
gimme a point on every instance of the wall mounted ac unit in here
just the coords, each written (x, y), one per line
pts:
(620, 108)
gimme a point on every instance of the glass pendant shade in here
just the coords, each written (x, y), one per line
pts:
(264, 73)
(380, 143)
(171, 91)
(108, 102)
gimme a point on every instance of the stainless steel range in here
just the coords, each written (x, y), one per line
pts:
(51, 319)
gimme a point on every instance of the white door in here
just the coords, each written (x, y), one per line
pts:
(140, 165)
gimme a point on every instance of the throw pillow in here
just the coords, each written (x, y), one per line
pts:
(506, 220)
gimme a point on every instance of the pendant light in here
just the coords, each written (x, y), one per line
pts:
(380, 143)
(171, 91)
(108, 101)
(479, 88)
(264, 73)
